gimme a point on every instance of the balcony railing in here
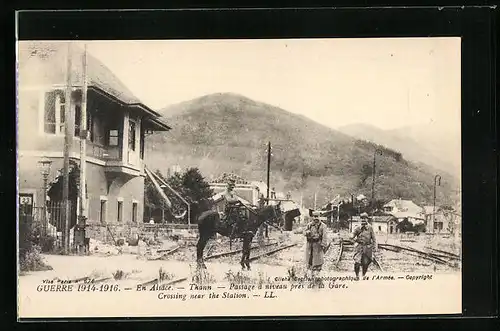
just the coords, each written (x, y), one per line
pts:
(103, 152)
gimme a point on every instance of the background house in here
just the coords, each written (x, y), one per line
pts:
(442, 220)
(117, 125)
(380, 224)
(243, 188)
(405, 210)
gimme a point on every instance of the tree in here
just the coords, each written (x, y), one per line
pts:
(191, 185)
(194, 186)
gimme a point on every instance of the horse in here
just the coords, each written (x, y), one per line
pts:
(209, 224)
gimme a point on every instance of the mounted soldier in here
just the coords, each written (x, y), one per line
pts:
(232, 207)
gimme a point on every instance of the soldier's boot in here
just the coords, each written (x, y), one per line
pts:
(356, 270)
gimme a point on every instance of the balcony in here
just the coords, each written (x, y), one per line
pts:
(114, 162)
(104, 153)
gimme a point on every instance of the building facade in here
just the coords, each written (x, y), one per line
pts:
(380, 224)
(405, 210)
(246, 190)
(442, 220)
(117, 124)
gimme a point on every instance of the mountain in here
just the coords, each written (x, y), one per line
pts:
(227, 132)
(417, 143)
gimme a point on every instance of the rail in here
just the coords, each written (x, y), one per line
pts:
(422, 254)
(271, 252)
(224, 254)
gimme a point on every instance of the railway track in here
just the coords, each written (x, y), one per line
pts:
(257, 251)
(346, 250)
(234, 252)
(439, 257)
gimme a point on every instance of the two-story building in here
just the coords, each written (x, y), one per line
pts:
(249, 191)
(117, 124)
(405, 210)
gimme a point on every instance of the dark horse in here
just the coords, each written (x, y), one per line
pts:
(210, 223)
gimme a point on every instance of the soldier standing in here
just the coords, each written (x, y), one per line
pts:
(316, 245)
(365, 244)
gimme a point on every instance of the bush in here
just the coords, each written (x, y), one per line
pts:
(33, 261)
(47, 244)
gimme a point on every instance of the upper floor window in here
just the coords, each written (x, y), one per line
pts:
(131, 136)
(54, 113)
(113, 137)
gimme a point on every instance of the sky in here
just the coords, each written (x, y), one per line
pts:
(388, 83)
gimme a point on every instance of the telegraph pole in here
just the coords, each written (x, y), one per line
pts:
(268, 168)
(83, 151)
(373, 177)
(268, 178)
(68, 140)
(437, 182)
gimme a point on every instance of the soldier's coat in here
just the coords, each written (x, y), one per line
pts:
(365, 240)
(316, 248)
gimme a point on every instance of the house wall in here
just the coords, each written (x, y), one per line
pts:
(378, 227)
(439, 217)
(30, 180)
(412, 220)
(31, 136)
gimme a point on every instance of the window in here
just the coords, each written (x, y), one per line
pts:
(379, 228)
(102, 213)
(54, 116)
(78, 119)
(113, 136)
(119, 211)
(141, 142)
(90, 126)
(131, 135)
(134, 212)
(54, 112)
(438, 226)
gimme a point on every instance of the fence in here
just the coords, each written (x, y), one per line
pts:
(44, 226)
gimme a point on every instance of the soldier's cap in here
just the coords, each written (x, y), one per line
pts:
(363, 215)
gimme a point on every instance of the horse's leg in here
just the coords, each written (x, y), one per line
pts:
(243, 255)
(242, 261)
(200, 247)
(247, 242)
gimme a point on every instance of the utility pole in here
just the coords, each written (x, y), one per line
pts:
(268, 178)
(377, 151)
(437, 182)
(83, 156)
(268, 168)
(68, 140)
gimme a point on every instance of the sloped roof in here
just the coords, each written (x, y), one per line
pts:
(405, 214)
(219, 195)
(404, 205)
(225, 177)
(429, 209)
(45, 63)
(384, 219)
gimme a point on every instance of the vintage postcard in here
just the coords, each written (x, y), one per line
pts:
(199, 178)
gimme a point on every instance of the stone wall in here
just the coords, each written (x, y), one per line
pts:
(106, 234)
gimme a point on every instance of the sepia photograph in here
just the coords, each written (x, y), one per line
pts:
(245, 177)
